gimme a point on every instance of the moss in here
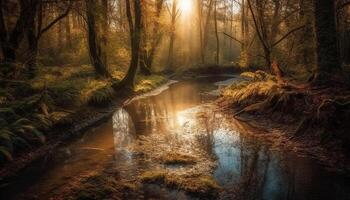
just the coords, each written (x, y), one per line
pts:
(178, 159)
(102, 96)
(198, 186)
(259, 86)
(147, 83)
(153, 176)
(94, 187)
(130, 186)
(63, 88)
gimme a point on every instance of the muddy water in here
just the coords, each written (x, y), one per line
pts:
(247, 168)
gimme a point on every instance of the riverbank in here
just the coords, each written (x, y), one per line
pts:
(295, 115)
(70, 100)
(175, 143)
(171, 161)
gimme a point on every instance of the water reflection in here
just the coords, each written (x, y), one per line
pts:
(250, 169)
(179, 119)
(123, 134)
(158, 114)
(247, 168)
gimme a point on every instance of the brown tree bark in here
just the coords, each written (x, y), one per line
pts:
(68, 32)
(174, 15)
(206, 30)
(135, 37)
(147, 56)
(10, 40)
(327, 56)
(95, 39)
(217, 60)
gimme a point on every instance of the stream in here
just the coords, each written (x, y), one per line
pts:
(181, 117)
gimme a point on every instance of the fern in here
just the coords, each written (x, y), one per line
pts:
(19, 133)
(5, 153)
(102, 96)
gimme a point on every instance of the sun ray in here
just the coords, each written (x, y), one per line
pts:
(186, 6)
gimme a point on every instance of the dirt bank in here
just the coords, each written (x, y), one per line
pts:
(311, 120)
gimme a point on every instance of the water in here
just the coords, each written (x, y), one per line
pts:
(181, 118)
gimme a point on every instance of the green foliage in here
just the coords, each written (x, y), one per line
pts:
(102, 96)
(147, 83)
(258, 86)
(65, 93)
(27, 109)
(18, 133)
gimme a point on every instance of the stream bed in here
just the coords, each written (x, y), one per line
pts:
(163, 143)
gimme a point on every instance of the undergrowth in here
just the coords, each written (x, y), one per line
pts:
(310, 109)
(28, 109)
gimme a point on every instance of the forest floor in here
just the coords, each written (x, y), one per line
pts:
(313, 121)
(61, 102)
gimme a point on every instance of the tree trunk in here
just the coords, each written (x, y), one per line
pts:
(243, 26)
(267, 56)
(307, 55)
(144, 68)
(10, 40)
(147, 57)
(105, 31)
(217, 60)
(327, 58)
(206, 30)
(200, 29)
(95, 39)
(68, 32)
(32, 39)
(135, 37)
(174, 14)
(59, 36)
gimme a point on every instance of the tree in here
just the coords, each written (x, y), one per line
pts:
(96, 37)
(204, 41)
(135, 38)
(10, 40)
(35, 31)
(266, 35)
(151, 36)
(216, 34)
(29, 24)
(327, 56)
(174, 14)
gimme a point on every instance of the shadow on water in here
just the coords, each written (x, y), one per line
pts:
(247, 168)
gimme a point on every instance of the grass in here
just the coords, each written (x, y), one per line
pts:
(257, 86)
(93, 186)
(154, 176)
(199, 185)
(178, 159)
(147, 83)
(50, 98)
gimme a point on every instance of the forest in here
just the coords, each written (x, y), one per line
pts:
(175, 99)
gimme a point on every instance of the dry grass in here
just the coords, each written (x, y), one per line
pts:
(202, 185)
(259, 86)
(154, 176)
(174, 158)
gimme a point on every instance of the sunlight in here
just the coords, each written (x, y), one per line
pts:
(181, 119)
(186, 6)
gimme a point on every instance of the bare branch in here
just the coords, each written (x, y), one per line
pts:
(287, 34)
(63, 15)
(233, 38)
